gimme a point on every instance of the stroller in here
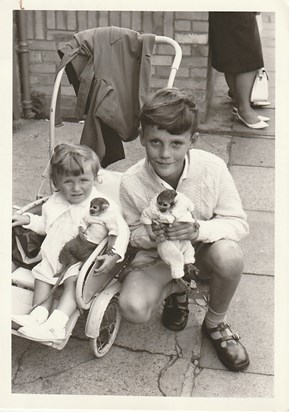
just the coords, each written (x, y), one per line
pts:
(96, 294)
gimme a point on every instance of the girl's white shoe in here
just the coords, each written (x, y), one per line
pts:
(36, 317)
(42, 332)
(52, 329)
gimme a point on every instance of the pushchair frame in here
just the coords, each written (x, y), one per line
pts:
(96, 294)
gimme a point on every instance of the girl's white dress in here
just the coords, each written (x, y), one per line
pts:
(60, 221)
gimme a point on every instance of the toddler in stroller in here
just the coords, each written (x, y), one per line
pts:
(73, 169)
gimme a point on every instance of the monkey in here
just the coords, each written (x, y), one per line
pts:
(168, 207)
(80, 247)
(98, 223)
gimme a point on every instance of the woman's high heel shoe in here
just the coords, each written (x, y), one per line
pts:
(265, 119)
(259, 125)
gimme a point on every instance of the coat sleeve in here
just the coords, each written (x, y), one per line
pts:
(229, 220)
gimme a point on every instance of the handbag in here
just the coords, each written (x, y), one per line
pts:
(260, 92)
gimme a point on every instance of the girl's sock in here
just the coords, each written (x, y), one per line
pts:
(57, 320)
(52, 329)
(40, 313)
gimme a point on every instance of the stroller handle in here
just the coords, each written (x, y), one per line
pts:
(173, 72)
(178, 57)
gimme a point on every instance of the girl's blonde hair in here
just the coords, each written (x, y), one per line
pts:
(69, 159)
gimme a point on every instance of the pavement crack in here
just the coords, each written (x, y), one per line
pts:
(163, 371)
(192, 372)
(43, 378)
(196, 372)
(178, 348)
(140, 350)
(19, 364)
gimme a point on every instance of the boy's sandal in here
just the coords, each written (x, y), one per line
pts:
(233, 354)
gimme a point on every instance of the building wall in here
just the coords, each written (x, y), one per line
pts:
(49, 30)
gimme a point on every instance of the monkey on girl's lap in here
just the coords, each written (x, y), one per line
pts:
(99, 222)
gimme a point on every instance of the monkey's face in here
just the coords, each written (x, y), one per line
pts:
(97, 206)
(164, 206)
(94, 210)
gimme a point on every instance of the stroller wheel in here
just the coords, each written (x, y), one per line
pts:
(108, 329)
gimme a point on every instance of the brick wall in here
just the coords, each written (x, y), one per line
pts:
(49, 30)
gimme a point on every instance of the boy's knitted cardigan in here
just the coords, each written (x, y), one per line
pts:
(205, 180)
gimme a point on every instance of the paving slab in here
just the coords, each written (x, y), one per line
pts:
(171, 354)
(219, 117)
(255, 186)
(216, 144)
(258, 246)
(252, 152)
(40, 361)
(251, 315)
(132, 373)
(223, 384)
(242, 130)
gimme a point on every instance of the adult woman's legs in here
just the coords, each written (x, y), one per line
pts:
(243, 85)
(240, 86)
(231, 80)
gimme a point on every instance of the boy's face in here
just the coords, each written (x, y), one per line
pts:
(166, 152)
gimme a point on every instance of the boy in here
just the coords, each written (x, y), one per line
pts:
(168, 132)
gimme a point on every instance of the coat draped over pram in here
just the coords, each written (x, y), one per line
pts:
(110, 70)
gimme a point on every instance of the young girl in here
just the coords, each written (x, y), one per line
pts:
(73, 169)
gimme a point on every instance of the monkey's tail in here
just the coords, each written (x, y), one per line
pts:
(51, 292)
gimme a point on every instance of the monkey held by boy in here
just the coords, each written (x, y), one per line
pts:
(168, 211)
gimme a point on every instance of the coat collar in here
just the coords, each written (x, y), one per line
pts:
(116, 34)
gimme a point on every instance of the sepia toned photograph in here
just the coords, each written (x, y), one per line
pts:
(143, 182)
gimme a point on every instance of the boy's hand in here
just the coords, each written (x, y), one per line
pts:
(159, 232)
(19, 220)
(108, 264)
(183, 231)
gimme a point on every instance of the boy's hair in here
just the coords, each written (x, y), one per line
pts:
(170, 109)
(69, 159)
